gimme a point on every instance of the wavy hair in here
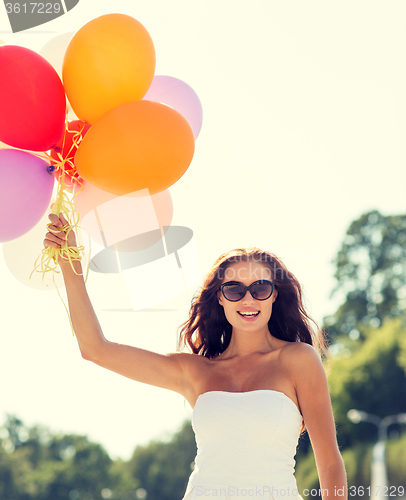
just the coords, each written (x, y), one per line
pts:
(207, 331)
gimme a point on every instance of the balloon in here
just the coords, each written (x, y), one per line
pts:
(44, 155)
(32, 100)
(174, 265)
(138, 145)
(25, 191)
(53, 51)
(109, 61)
(21, 253)
(67, 149)
(180, 96)
(110, 219)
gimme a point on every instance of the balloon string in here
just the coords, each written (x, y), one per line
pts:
(48, 260)
(77, 138)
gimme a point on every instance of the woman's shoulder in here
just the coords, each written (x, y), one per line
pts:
(301, 364)
(299, 355)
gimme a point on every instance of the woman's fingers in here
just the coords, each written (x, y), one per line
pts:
(57, 237)
(58, 221)
(63, 219)
(50, 243)
(55, 240)
(55, 220)
(56, 229)
(56, 234)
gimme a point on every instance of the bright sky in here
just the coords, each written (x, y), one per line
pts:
(303, 131)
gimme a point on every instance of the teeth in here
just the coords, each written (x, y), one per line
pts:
(249, 313)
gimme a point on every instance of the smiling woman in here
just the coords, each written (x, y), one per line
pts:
(262, 383)
(254, 377)
(209, 328)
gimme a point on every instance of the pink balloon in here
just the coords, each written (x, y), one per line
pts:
(180, 96)
(25, 192)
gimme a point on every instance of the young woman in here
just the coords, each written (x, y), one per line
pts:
(254, 378)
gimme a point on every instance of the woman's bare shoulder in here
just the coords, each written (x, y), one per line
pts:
(299, 348)
(299, 356)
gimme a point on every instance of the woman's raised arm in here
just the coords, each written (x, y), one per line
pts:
(166, 371)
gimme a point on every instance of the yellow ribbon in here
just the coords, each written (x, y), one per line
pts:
(49, 257)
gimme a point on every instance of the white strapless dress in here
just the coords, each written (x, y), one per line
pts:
(246, 443)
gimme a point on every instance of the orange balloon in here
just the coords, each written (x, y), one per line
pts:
(138, 145)
(109, 61)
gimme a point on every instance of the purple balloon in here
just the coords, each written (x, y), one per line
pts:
(180, 96)
(25, 192)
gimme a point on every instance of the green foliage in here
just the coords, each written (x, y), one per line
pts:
(357, 461)
(123, 484)
(402, 354)
(83, 467)
(371, 380)
(396, 460)
(306, 472)
(164, 468)
(370, 273)
(38, 465)
(367, 368)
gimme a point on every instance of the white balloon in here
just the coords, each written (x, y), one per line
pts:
(54, 51)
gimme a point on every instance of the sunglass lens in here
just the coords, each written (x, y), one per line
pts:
(233, 292)
(262, 291)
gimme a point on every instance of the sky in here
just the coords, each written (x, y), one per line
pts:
(303, 131)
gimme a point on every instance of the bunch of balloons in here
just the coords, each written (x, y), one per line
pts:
(132, 130)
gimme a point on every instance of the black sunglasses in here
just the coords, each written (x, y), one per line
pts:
(259, 290)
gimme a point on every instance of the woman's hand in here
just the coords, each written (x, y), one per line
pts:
(57, 236)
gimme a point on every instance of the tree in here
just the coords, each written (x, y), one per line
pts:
(370, 273)
(78, 466)
(163, 469)
(372, 378)
(367, 368)
(36, 464)
(368, 375)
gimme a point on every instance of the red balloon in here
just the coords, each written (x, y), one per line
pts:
(32, 100)
(67, 148)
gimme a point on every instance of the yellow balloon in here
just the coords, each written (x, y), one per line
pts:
(108, 62)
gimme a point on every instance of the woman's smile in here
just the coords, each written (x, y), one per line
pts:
(249, 314)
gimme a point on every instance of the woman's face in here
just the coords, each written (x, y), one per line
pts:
(247, 313)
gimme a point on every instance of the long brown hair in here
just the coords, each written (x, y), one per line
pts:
(207, 331)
